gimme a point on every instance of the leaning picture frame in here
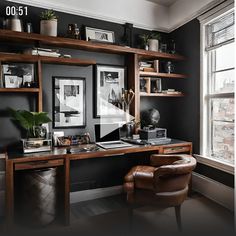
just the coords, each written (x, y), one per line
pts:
(18, 75)
(109, 82)
(99, 35)
(69, 108)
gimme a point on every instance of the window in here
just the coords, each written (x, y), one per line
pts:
(218, 89)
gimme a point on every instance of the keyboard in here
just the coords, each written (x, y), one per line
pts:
(113, 144)
(158, 141)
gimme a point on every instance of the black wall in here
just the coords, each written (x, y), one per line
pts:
(185, 121)
(180, 116)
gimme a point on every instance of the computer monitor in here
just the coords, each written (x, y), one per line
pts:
(112, 130)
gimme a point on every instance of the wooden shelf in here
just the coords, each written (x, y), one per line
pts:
(14, 57)
(160, 95)
(162, 75)
(23, 37)
(19, 90)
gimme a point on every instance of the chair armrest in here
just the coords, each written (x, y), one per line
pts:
(160, 159)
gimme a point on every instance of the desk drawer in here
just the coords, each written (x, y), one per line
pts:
(39, 164)
(180, 149)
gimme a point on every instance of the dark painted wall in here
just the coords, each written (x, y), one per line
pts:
(179, 115)
(85, 174)
(185, 121)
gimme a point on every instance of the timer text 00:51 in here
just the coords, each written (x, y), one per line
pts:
(14, 11)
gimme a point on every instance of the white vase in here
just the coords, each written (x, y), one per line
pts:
(48, 27)
(153, 45)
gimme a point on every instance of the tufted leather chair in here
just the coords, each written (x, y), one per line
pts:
(164, 183)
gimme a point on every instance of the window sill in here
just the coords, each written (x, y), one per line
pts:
(229, 168)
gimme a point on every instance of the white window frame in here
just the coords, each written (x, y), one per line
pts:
(205, 19)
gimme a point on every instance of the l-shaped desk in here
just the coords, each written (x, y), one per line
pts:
(60, 157)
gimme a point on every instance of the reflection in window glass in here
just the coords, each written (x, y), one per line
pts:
(225, 57)
(222, 126)
(224, 82)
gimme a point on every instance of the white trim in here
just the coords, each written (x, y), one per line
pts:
(214, 190)
(217, 11)
(195, 14)
(215, 164)
(91, 194)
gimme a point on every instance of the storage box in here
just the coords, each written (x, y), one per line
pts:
(152, 133)
(36, 145)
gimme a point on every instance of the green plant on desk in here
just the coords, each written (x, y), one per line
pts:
(31, 121)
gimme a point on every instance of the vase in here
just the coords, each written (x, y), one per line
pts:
(153, 45)
(48, 27)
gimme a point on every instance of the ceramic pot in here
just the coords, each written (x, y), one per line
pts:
(48, 27)
(153, 45)
(14, 24)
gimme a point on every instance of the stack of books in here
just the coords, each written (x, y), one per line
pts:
(149, 66)
(146, 66)
(43, 52)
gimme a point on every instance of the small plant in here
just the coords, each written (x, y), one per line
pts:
(30, 121)
(145, 38)
(155, 35)
(48, 15)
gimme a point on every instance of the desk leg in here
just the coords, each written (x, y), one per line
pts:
(67, 191)
(9, 194)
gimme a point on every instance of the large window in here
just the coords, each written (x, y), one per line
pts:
(218, 89)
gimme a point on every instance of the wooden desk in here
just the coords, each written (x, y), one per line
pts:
(60, 157)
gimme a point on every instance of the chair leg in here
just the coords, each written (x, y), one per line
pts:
(178, 217)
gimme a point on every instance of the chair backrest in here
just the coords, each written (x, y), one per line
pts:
(173, 172)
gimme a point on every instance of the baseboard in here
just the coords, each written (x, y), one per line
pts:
(91, 194)
(214, 190)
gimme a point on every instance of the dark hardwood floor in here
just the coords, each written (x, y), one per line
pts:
(109, 216)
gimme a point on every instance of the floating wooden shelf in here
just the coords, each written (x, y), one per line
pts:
(19, 90)
(161, 95)
(33, 38)
(14, 57)
(162, 75)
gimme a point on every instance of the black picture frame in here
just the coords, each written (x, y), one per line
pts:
(99, 35)
(18, 75)
(69, 105)
(99, 95)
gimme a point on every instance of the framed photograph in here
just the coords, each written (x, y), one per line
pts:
(108, 85)
(17, 75)
(99, 35)
(69, 102)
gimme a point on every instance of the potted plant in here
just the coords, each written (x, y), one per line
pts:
(31, 122)
(48, 23)
(153, 41)
(145, 38)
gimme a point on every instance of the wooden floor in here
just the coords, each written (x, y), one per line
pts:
(109, 216)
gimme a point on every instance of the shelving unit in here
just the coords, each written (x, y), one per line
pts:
(132, 55)
(161, 95)
(162, 75)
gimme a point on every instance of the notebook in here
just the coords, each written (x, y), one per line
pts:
(111, 139)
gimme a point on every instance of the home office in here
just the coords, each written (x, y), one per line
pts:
(94, 72)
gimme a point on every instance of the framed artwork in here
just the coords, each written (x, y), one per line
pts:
(108, 85)
(99, 35)
(17, 75)
(69, 102)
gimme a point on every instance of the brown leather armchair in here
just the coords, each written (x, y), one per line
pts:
(164, 183)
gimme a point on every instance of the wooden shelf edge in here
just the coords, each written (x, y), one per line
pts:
(161, 95)
(162, 75)
(84, 45)
(15, 57)
(19, 90)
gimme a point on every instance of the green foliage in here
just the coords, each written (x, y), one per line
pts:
(48, 15)
(146, 37)
(29, 120)
(155, 35)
